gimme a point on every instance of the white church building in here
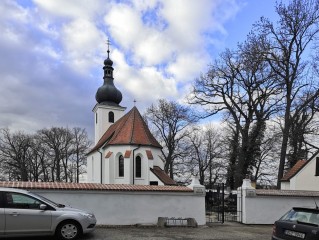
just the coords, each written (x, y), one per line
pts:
(125, 151)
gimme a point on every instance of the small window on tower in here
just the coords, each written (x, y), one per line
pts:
(96, 118)
(111, 117)
(317, 166)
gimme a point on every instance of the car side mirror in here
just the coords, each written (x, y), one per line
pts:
(43, 206)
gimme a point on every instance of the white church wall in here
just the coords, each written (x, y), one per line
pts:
(93, 168)
(150, 163)
(130, 208)
(106, 167)
(158, 156)
(102, 118)
(110, 165)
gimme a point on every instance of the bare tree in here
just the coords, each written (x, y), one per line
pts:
(303, 126)
(65, 149)
(54, 140)
(40, 154)
(204, 159)
(242, 86)
(15, 154)
(171, 122)
(285, 46)
(231, 141)
(56, 154)
(81, 144)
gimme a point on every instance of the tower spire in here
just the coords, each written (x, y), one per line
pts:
(108, 93)
(108, 47)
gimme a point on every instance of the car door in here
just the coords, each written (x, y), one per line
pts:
(2, 216)
(23, 214)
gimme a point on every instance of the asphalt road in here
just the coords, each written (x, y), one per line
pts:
(229, 231)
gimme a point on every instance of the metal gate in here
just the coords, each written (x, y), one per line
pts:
(221, 204)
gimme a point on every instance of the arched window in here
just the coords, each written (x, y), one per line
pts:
(111, 117)
(138, 168)
(121, 166)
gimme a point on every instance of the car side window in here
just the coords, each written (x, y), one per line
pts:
(21, 201)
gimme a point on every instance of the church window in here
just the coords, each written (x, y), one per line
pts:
(317, 166)
(138, 169)
(111, 117)
(121, 166)
(96, 118)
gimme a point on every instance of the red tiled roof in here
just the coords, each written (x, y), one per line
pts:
(93, 186)
(294, 170)
(149, 154)
(128, 130)
(289, 193)
(163, 176)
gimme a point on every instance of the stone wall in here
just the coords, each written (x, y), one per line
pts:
(266, 206)
(115, 204)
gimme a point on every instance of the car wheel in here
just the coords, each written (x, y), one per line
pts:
(68, 230)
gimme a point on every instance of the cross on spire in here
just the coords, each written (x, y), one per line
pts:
(108, 47)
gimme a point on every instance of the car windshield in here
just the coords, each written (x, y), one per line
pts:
(46, 200)
(307, 216)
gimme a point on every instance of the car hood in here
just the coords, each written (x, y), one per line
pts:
(71, 209)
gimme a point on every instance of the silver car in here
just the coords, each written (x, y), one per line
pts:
(23, 213)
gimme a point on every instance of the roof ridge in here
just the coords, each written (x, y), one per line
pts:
(133, 124)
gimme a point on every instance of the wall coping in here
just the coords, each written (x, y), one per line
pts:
(93, 186)
(286, 193)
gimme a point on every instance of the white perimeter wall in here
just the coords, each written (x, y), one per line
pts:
(258, 209)
(128, 208)
(268, 209)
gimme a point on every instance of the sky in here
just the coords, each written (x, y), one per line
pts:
(52, 53)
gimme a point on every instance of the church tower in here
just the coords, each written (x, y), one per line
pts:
(125, 150)
(108, 97)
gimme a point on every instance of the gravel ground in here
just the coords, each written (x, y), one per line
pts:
(224, 231)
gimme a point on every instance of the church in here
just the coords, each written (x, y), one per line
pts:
(125, 150)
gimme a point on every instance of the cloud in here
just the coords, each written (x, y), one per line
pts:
(165, 41)
(82, 41)
(72, 9)
(54, 51)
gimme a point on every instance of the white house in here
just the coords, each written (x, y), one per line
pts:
(304, 175)
(125, 151)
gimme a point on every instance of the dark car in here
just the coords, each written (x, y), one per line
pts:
(298, 223)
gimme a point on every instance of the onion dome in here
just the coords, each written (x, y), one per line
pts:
(108, 62)
(108, 94)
